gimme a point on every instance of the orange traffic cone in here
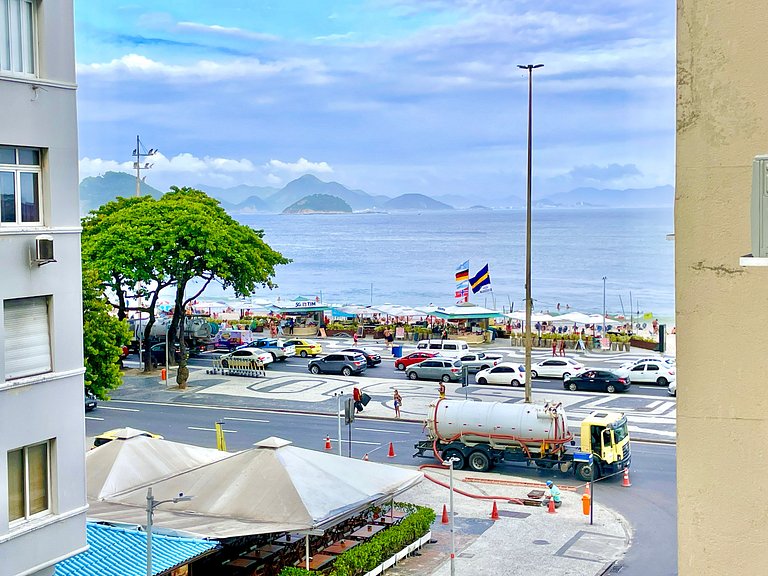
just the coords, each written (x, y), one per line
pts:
(391, 451)
(625, 480)
(586, 490)
(445, 515)
(551, 507)
(494, 512)
(327, 442)
(365, 458)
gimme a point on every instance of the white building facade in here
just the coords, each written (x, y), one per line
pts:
(42, 426)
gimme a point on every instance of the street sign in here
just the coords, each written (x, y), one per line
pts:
(349, 411)
(582, 457)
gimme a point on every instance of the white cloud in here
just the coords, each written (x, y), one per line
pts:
(181, 164)
(310, 70)
(225, 31)
(301, 166)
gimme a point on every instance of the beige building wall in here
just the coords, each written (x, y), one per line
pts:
(722, 308)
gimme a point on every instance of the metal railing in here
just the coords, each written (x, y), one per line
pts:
(238, 367)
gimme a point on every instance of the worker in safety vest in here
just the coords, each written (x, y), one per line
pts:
(554, 494)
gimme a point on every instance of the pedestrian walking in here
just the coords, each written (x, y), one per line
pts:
(389, 338)
(562, 347)
(554, 494)
(354, 338)
(554, 347)
(357, 397)
(398, 403)
(441, 389)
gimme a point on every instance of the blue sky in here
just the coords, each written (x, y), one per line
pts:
(390, 96)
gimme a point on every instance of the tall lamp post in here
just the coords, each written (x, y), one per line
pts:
(528, 300)
(604, 279)
(139, 164)
(151, 505)
(449, 462)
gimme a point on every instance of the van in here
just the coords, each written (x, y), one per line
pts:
(451, 348)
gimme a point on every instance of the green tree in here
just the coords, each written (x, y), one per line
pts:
(104, 336)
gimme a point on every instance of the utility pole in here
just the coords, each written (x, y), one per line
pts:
(137, 163)
(604, 279)
(528, 298)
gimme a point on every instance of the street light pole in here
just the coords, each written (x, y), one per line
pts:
(528, 299)
(604, 279)
(137, 164)
(151, 505)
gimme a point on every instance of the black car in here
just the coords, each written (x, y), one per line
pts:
(157, 352)
(371, 358)
(346, 363)
(597, 380)
(90, 402)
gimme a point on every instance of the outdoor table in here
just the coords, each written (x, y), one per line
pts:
(267, 551)
(289, 538)
(317, 561)
(387, 520)
(242, 563)
(395, 513)
(341, 546)
(367, 531)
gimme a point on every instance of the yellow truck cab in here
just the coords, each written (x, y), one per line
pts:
(604, 435)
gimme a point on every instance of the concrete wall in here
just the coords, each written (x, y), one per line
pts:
(49, 406)
(722, 308)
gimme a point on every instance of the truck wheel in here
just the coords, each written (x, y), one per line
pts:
(515, 383)
(446, 378)
(453, 453)
(572, 386)
(586, 472)
(610, 388)
(662, 381)
(413, 376)
(346, 371)
(479, 462)
(534, 374)
(303, 353)
(482, 381)
(314, 369)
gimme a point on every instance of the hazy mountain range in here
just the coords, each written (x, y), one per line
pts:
(243, 199)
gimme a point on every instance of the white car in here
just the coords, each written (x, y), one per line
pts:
(672, 388)
(631, 364)
(479, 361)
(253, 354)
(653, 372)
(562, 368)
(504, 373)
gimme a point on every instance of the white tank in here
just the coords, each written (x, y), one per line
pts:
(499, 424)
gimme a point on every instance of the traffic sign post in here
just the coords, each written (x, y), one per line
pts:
(587, 458)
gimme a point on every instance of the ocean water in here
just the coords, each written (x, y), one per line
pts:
(410, 258)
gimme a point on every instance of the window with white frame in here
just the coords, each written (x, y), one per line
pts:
(20, 185)
(29, 481)
(27, 337)
(18, 36)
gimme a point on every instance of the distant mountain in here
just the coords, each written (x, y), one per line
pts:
(508, 202)
(249, 206)
(318, 203)
(415, 202)
(96, 191)
(629, 198)
(237, 194)
(456, 200)
(308, 185)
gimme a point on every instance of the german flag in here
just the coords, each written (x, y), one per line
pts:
(462, 272)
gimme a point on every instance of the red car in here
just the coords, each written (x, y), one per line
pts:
(413, 358)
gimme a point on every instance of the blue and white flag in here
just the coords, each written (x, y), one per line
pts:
(481, 282)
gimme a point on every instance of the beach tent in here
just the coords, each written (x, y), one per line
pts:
(535, 317)
(273, 487)
(466, 312)
(575, 317)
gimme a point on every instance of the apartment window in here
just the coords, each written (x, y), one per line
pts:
(18, 36)
(27, 337)
(29, 481)
(19, 185)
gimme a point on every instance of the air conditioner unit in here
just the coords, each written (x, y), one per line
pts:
(44, 250)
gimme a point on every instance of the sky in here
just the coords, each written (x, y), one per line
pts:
(387, 96)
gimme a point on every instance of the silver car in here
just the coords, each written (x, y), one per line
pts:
(445, 369)
(479, 361)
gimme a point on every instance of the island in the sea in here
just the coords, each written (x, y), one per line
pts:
(319, 204)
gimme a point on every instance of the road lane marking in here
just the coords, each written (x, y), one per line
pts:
(94, 418)
(246, 419)
(346, 441)
(209, 429)
(653, 405)
(382, 430)
(119, 409)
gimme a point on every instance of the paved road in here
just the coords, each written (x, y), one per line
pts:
(650, 504)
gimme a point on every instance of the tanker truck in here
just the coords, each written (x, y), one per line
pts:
(197, 332)
(480, 435)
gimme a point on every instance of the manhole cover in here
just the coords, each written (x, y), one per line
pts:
(466, 555)
(541, 542)
(510, 514)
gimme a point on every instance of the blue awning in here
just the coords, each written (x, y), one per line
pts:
(123, 552)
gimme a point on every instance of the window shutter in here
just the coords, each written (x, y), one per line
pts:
(27, 337)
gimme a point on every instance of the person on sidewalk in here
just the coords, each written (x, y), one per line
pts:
(562, 347)
(354, 338)
(554, 347)
(441, 389)
(554, 495)
(398, 402)
(358, 399)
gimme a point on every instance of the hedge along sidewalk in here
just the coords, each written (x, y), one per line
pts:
(384, 548)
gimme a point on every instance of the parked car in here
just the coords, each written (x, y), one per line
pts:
(632, 363)
(672, 388)
(597, 380)
(255, 356)
(475, 361)
(157, 353)
(504, 373)
(90, 402)
(279, 348)
(372, 358)
(654, 372)
(122, 434)
(445, 369)
(562, 368)
(448, 348)
(346, 363)
(305, 348)
(413, 358)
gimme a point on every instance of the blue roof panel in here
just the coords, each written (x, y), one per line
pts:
(121, 552)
